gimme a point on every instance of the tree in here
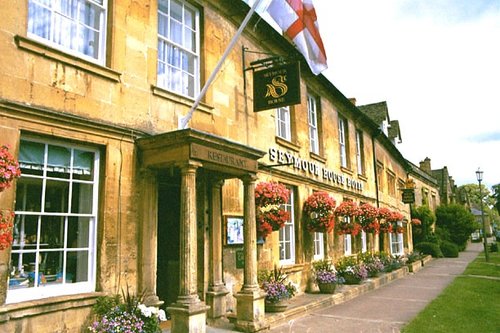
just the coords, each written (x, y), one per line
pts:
(427, 218)
(496, 196)
(457, 223)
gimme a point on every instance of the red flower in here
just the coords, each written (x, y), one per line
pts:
(6, 225)
(9, 168)
(347, 208)
(319, 211)
(416, 222)
(271, 193)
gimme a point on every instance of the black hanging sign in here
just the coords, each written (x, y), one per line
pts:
(408, 195)
(275, 87)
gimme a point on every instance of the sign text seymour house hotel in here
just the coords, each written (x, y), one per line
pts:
(313, 168)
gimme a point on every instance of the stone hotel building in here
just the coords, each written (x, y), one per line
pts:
(114, 195)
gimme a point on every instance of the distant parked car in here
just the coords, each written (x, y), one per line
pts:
(476, 236)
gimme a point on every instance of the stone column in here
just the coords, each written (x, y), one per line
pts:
(250, 309)
(149, 237)
(188, 312)
(216, 294)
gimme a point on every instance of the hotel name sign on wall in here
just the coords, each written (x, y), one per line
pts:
(276, 87)
(313, 169)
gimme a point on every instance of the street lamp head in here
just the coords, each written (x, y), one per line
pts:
(479, 175)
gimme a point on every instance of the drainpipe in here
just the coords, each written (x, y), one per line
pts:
(374, 136)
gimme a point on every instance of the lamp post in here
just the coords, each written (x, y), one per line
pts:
(479, 175)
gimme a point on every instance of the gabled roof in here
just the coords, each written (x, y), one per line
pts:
(395, 131)
(378, 112)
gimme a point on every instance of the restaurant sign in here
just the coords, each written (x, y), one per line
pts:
(276, 86)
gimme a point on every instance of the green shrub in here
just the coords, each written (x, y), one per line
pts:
(494, 247)
(429, 248)
(449, 249)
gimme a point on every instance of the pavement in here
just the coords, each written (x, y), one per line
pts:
(379, 305)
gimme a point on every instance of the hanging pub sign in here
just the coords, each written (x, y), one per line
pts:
(408, 195)
(275, 87)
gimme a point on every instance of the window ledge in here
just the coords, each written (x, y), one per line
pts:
(48, 52)
(161, 92)
(362, 177)
(317, 157)
(287, 144)
(47, 305)
(346, 170)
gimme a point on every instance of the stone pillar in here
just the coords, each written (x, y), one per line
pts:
(216, 294)
(188, 312)
(250, 309)
(149, 237)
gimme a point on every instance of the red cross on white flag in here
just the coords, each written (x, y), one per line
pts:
(297, 18)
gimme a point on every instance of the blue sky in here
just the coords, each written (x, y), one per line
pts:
(436, 63)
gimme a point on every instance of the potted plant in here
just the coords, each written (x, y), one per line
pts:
(351, 270)
(278, 291)
(128, 315)
(269, 200)
(373, 264)
(347, 212)
(319, 209)
(368, 218)
(325, 277)
(9, 168)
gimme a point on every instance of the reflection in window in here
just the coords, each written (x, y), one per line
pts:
(54, 229)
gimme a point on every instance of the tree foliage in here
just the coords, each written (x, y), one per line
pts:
(496, 196)
(457, 223)
(427, 218)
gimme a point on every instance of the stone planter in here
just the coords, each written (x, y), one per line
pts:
(276, 307)
(414, 266)
(327, 288)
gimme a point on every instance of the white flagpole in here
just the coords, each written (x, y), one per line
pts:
(183, 121)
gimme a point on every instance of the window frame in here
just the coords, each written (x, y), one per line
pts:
(284, 112)
(287, 232)
(360, 153)
(343, 127)
(313, 124)
(319, 246)
(391, 183)
(49, 41)
(397, 242)
(347, 239)
(15, 295)
(163, 79)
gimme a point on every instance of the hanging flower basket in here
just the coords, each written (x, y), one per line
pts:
(269, 200)
(394, 218)
(368, 218)
(347, 212)
(319, 210)
(6, 226)
(384, 215)
(9, 168)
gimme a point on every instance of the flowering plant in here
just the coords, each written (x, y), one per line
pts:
(416, 222)
(347, 212)
(394, 218)
(6, 225)
(368, 218)
(130, 316)
(373, 263)
(325, 273)
(9, 168)
(319, 209)
(350, 269)
(274, 284)
(269, 198)
(384, 215)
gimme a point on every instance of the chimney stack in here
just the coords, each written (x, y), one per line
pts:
(425, 165)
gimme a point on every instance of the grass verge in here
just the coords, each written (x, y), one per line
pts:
(471, 303)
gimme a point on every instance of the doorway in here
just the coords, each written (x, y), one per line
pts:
(167, 279)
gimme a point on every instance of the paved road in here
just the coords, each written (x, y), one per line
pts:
(387, 309)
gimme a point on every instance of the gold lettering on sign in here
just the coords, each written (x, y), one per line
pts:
(277, 87)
